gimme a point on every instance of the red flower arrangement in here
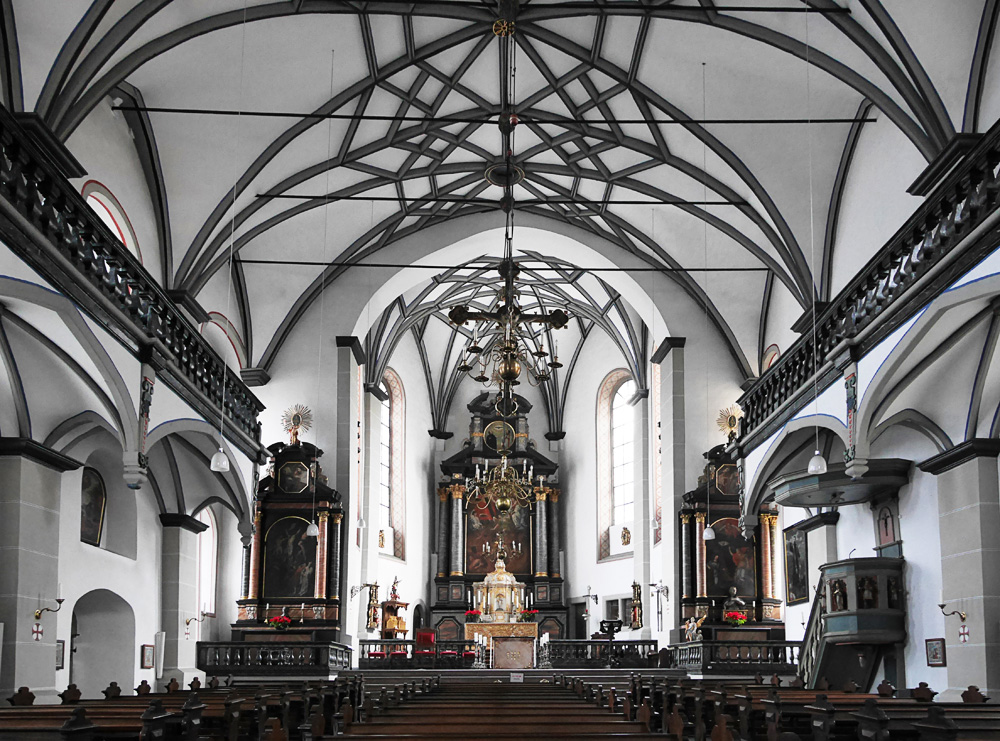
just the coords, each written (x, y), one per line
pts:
(735, 617)
(476, 613)
(280, 622)
(528, 615)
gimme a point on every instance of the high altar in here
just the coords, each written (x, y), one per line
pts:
(466, 531)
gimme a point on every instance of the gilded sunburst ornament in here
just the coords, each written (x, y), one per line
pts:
(729, 420)
(297, 418)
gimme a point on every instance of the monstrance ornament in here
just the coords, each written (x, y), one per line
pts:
(297, 418)
(729, 420)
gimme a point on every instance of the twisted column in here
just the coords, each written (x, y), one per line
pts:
(541, 550)
(699, 534)
(554, 545)
(334, 573)
(457, 531)
(686, 556)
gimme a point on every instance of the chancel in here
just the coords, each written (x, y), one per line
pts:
(545, 368)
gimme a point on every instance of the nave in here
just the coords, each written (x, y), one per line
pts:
(585, 705)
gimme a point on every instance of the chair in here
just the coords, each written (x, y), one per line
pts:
(425, 650)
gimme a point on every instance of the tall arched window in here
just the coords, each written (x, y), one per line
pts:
(392, 501)
(208, 561)
(615, 455)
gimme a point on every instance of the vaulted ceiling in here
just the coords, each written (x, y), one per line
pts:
(627, 132)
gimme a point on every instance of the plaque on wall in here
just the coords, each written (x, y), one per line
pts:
(730, 561)
(289, 559)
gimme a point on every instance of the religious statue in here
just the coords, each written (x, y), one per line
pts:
(692, 628)
(394, 589)
(734, 603)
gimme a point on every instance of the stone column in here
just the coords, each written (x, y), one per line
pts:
(554, 545)
(322, 555)
(457, 554)
(686, 568)
(969, 527)
(541, 544)
(775, 550)
(179, 601)
(334, 573)
(442, 532)
(255, 557)
(765, 556)
(642, 532)
(699, 534)
(247, 552)
(29, 565)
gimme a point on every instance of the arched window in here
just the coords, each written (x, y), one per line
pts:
(208, 561)
(110, 211)
(93, 503)
(615, 455)
(392, 502)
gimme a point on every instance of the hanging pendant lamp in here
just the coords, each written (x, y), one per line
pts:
(220, 462)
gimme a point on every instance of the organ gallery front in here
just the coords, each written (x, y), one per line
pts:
(499, 492)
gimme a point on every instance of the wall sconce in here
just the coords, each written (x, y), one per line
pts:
(188, 621)
(59, 600)
(586, 609)
(960, 613)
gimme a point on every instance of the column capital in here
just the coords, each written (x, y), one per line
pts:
(685, 518)
(699, 517)
(337, 517)
(541, 493)
(443, 493)
(457, 491)
(323, 516)
(553, 495)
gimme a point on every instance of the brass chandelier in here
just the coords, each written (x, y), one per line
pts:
(505, 354)
(503, 486)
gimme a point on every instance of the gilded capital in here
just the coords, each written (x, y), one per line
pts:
(699, 517)
(457, 491)
(553, 495)
(443, 494)
(685, 519)
(337, 517)
(541, 494)
(323, 516)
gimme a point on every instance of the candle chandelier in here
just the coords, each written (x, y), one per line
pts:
(503, 486)
(505, 356)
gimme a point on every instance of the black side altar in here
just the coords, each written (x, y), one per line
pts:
(292, 573)
(711, 568)
(464, 530)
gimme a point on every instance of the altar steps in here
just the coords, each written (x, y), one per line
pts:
(473, 708)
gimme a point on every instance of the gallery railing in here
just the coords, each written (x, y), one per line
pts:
(238, 658)
(963, 201)
(48, 224)
(736, 657)
(600, 653)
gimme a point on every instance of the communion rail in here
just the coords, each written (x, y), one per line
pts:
(736, 657)
(598, 653)
(244, 658)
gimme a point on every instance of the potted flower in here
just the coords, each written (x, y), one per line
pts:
(472, 616)
(735, 617)
(281, 622)
(527, 616)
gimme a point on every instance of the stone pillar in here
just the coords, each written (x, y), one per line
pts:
(554, 545)
(322, 555)
(247, 549)
(699, 534)
(686, 568)
(669, 356)
(30, 479)
(442, 532)
(179, 601)
(255, 556)
(334, 573)
(969, 527)
(642, 532)
(541, 544)
(456, 557)
(350, 357)
(765, 556)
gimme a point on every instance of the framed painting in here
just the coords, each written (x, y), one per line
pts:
(796, 567)
(60, 655)
(935, 652)
(289, 559)
(93, 501)
(148, 652)
(730, 560)
(483, 525)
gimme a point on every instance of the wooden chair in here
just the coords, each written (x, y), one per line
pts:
(425, 650)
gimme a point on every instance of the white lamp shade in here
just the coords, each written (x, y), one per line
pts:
(220, 463)
(817, 464)
(361, 523)
(313, 530)
(709, 533)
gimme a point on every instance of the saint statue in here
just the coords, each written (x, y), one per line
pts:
(692, 629)
(734, 603)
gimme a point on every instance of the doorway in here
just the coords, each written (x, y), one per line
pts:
(578, 620)
(103, 647)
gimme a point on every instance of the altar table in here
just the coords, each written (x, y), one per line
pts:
(504, 630)
(513, 644)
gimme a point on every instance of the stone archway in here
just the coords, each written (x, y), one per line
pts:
(103, 648)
